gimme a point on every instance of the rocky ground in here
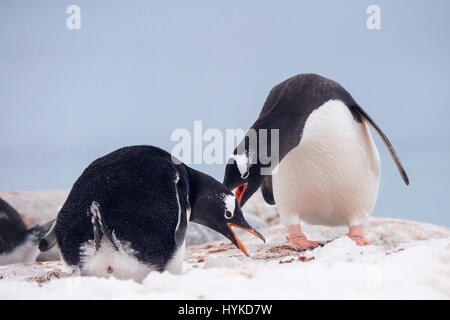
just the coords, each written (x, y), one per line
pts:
(407, 260)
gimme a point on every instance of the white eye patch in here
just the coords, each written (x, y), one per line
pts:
(230, 204)
(242, 162)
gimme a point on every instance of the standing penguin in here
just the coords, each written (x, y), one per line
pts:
(17, 243)
(127, 214)
(329, 167)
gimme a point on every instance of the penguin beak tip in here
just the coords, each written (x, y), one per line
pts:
(239, 243)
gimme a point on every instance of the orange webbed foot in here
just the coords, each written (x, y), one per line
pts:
(356, 233)
(297, 240)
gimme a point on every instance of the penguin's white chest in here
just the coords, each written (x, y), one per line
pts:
(332, 177)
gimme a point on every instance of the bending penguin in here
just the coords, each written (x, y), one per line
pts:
(17, 243)
(127, 214)
(328, 170)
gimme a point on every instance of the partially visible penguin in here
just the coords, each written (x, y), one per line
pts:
(127, 214)
(329, 167)
(17, 243)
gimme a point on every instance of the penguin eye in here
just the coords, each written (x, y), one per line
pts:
(245, 175)
(228, 214)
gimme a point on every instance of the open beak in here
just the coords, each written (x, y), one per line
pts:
(240, 191)
(238, 242)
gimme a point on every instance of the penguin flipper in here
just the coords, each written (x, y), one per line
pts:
(49, 240)
(40, 231)
(385, 140)
(267, 192)
(183, 209)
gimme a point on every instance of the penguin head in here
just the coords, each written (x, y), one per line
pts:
(217, 208)
(242, 177)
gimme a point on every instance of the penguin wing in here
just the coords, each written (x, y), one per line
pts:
(385, 140)
(267, 192)
(184, 208)
(41, 230)
(49, 240)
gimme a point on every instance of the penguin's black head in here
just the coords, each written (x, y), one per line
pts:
(217, 208)
(243, 177)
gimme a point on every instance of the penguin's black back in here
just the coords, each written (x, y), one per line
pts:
(290, 103)
(12, 228)
(135, 188)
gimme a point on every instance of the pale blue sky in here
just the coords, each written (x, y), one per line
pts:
(137, 70)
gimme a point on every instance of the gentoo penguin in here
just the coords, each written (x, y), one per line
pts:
(127, 214)
(17, 243)
(329, 167)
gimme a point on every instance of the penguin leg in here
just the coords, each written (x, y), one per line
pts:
(298, 241)
(356, 233)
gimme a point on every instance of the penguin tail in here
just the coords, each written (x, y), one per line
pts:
(100, 228)
(385, 140)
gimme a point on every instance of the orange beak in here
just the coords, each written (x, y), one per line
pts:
(240, 192)
(239, 243)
